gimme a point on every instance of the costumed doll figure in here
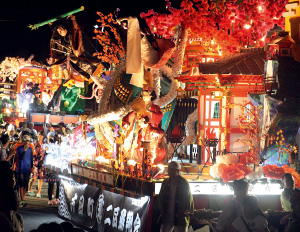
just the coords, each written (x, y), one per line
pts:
(128, 123)
(154, 131)
(63, 40)
(25, 98)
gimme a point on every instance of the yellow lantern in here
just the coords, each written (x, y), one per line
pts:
(180, 93)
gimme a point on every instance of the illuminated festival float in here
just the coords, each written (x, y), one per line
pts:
(212, 89)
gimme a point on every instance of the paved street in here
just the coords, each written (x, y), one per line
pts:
(37, 212)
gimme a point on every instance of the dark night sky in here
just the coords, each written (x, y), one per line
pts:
(15, 16)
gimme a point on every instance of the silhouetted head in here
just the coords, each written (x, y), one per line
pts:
(173, 169)
(288, 181)
(240, 188)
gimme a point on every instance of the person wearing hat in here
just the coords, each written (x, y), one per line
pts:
(24, 167)
(175, 201)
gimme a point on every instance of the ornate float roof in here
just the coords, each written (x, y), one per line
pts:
(247, 62)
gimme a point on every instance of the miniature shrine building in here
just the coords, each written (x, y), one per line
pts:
(219, 84)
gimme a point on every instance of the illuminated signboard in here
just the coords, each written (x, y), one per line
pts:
(216, 188)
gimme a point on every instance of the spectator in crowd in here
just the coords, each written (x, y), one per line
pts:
(51, 177)
(13, 149)
(1, 129)
(50, 227)
(23, 126)
(61, 129)
(38, 166)
(234, 207)
(67, 226)
(253, 219)
(24, 167)
(5, 224)
(12, 133)
(288, 191)
(17, 144)
(25, 131)
(293, 225)
(33, 132)
(47, 129)
(50, 137)
(175, 201)
(8, 197)
(4, 139)
(54, 226)
(6, 128)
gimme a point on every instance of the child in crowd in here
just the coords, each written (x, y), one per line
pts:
(253, 219)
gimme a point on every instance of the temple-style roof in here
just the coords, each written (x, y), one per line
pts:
(248, 62)
(281, 38)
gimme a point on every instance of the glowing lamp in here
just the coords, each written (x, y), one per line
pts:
(101, 159)
(7, 111)
(259, 8)
(131, 164)
(160, 167)
(247, 26)
(217, 94)
(81, 157)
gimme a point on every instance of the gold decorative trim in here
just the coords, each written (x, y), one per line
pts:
(167, 108)
(122, 91)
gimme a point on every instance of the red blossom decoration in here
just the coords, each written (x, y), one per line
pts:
(225, 22)
(232, 172)
(273, 171)
(244, 168)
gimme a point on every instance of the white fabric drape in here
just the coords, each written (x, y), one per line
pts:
(133, 58)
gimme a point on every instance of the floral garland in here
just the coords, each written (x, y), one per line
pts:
(204, 216)
(156, 81)
(109, 39)
(179, 53)
(104, 114)
(275, 172)
(231, 24)
(170, 96)
(235, 172)
(190, 128)
(173, 72)
(9, 68)
(107, 132)
(234, 167)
